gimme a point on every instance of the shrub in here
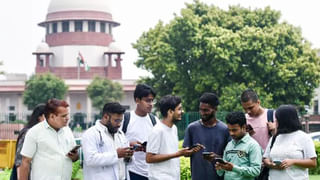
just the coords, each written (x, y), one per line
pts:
(75, 168)
(185, 172)
(316, 170)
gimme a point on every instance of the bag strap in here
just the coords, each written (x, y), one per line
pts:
(126, 119)
(270, 115)
(153, 119)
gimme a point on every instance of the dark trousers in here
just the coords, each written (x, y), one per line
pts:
(134, 176)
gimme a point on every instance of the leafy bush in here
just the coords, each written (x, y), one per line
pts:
(75, 169)
(185, 172)
(5, 174)
(317, 169)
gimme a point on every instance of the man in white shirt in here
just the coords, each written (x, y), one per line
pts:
(105, 148)
(162, 147)
(47, 146)
(137, 128)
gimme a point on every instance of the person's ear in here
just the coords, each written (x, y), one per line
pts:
(258, 102)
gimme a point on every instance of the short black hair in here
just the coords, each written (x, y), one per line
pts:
(288, 119)
(210, 98)
(168, 102)
(236, 118)
(143, 90)
(249, 94)
(37, 112)
(113, 107)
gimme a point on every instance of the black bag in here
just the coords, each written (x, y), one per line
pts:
(264, 174)
(14, 173)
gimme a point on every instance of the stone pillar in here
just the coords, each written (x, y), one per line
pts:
(20, 108)
(89, 109)
(47, 61)
(118, 61)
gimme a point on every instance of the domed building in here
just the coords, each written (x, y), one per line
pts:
(80, 28)
(76, 30)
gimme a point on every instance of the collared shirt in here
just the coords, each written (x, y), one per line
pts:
(48, 149)
(246, 157)
(101, 160)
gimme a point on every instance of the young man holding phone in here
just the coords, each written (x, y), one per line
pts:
(162, 148)
(211, 133)
(242, 156)
(105, 148)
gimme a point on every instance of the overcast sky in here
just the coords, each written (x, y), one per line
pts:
(20, 34)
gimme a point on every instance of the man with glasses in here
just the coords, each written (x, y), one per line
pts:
(137, 126)
(105, 148)
(47, 146)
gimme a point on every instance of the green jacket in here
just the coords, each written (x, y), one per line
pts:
(246, 157)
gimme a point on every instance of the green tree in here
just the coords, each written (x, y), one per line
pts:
(40, 88)
(226, 51)
(102, 91)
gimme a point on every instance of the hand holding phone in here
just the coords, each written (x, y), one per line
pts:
(197, 145)
(135, 147)
(75, 149)
(220, 160)
(277, 163)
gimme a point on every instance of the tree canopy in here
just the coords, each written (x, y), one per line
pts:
(102, 91)
(207, 49)
(41, 88)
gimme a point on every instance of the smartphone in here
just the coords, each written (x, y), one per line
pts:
(193, 146)
(206, 154)
(144, 144)
(220, 160)
(134, 147)
(74, 149)
(277, 162)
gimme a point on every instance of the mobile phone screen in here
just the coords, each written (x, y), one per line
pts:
(75, 148)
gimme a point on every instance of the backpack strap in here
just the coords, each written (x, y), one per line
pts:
(270, 115)
(153, 119)
(126, 119)
(270, 118)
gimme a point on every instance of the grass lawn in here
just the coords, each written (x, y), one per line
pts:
(314, 177)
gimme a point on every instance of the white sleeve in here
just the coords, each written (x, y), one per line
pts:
(154, 142)
(91, 154)
(29, 147)
(308, 147)
(267, 151)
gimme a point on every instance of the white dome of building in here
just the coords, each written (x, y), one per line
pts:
(76, 5)
(114, 48)
(43, 47)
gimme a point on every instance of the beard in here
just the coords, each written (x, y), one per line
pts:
(111, 129)
(208, 117)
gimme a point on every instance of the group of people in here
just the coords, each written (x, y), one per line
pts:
(136, 145)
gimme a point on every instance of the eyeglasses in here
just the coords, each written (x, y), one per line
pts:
(119, 121)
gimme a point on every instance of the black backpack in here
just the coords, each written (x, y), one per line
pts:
(126, 120)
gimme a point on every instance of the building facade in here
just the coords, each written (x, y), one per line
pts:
(78, 46)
